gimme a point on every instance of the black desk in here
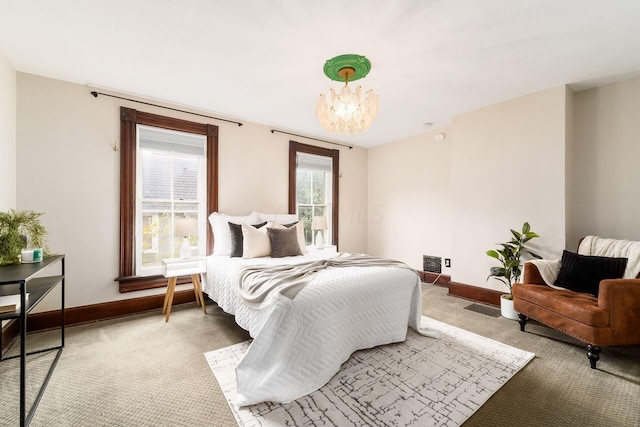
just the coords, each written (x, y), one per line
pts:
(19, 279)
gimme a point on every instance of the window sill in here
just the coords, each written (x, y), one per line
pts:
(139, 283)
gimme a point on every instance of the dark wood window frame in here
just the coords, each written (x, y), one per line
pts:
(129, 119)
(294, 149)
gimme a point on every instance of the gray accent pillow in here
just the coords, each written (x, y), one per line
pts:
(284, 242)
(236, 238)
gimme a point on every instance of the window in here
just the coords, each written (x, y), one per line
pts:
(168, 176)
(313, 188)
(171, 186)
(313, 193)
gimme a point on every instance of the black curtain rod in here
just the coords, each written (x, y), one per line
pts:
(95, 94)
(315, 139)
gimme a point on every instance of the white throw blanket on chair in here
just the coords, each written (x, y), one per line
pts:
(596, 246)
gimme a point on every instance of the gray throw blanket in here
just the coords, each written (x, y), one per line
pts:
(256, 283)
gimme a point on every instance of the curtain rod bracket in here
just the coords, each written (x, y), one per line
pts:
(95, 95)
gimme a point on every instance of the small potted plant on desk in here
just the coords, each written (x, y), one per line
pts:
(510, 270)
(19, 230)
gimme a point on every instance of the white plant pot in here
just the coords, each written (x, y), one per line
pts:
(506, 308)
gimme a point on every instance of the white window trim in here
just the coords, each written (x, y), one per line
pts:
(201, 195)
(325, 164)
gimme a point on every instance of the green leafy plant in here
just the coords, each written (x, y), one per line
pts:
(17, 230)
(509, 257)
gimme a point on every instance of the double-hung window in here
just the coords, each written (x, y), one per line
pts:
(168, 186)
(313, 190)
(171, 189)
(313, 195)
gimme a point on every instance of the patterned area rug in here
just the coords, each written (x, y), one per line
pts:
(421, 381)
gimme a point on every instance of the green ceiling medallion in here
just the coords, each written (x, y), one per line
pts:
(347, 67)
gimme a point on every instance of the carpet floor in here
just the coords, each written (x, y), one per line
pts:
(141, 371)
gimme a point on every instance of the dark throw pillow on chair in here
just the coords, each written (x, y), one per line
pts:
(583, 273)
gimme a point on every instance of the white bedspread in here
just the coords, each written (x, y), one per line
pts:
(300, 344)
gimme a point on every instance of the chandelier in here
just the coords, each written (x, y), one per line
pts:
(348, 111)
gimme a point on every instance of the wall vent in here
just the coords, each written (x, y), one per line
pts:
(432, 264)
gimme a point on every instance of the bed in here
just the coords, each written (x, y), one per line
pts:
(299, 343)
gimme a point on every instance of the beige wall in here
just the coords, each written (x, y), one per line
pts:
(498, 167)
(605, 173)
(566, 163)
(410, 199)
(353, 200)
(68, 169)
(7, 134)
(508, 167)
(569, 164)
(254, 175)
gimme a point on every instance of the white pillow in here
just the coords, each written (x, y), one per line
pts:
(255, 242)
(279, 218)
(221, 234)
(300, 231)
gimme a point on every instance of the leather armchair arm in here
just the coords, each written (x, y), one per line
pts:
(532, 275)
(621, 298)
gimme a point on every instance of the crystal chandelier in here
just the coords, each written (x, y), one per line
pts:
(349, 111)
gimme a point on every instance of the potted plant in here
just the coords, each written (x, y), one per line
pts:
(19, 230)
(511, 269)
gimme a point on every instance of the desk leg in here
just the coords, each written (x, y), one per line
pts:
(197, 287)
(168, 298)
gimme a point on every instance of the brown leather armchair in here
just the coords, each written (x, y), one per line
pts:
(612, 318)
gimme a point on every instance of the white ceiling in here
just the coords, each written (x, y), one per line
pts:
(262, 61)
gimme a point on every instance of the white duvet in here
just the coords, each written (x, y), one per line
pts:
(299, 344)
